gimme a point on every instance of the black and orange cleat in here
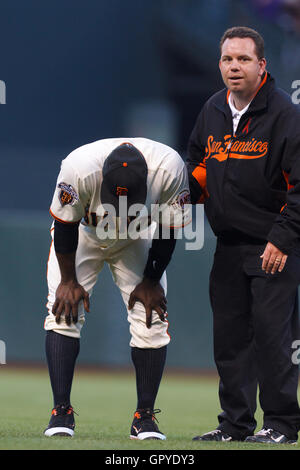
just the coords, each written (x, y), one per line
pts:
(144, 425)
(62, 422)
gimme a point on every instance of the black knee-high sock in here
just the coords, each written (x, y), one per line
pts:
(61, 353)
(149, 365)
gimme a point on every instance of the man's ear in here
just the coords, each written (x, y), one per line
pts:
(262, 65)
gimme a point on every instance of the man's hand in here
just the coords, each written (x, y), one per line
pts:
(273, 259)
(152, 296)
(68, 296)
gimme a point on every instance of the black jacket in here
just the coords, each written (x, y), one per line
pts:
(249, 183)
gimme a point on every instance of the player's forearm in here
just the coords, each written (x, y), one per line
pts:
(67, 267)
(65, 244)
(159, 256)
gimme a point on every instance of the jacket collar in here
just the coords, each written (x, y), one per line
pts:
(259, 102)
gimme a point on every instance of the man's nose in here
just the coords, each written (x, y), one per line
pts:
(234, 66)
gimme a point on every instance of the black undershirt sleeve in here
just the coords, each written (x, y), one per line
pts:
(65, 237)
(160, 254)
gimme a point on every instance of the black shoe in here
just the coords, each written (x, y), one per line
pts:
(144, 425)
(269, 436)
(62, 422)
(216, 435)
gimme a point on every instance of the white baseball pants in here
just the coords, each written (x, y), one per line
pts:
(126, 260)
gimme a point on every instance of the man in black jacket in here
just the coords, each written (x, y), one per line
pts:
(244, 164)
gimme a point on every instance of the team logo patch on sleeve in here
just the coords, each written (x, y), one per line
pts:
(179, 211)
(67, 195)
(182, 199)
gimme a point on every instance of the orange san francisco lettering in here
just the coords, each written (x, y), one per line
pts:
(221, 150)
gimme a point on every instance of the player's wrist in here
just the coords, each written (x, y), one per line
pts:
(150, 280)
(71, 282)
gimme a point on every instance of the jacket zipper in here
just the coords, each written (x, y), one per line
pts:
(233, 139)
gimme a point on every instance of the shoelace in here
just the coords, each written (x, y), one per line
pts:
(147, 413)
(216, 431)
(264, 432)
(61, 410)
(154, 413)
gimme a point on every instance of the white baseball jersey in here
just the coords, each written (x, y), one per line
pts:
(77, 197)
(77, 194)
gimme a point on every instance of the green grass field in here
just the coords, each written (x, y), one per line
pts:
(105, 403)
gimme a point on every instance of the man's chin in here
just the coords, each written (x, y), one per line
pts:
(232, 86)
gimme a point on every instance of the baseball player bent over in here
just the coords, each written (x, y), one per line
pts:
(94, 183)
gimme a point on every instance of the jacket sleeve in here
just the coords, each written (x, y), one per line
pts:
(285, 233)
(195, 162)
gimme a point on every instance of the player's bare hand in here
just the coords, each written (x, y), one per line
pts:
(273, 259)
(68, 296)
(152, 296)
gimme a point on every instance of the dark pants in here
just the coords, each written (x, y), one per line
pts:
(255, 324)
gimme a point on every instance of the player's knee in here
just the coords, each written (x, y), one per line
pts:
(155, 337)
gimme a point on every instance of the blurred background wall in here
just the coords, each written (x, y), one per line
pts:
(74, 71)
